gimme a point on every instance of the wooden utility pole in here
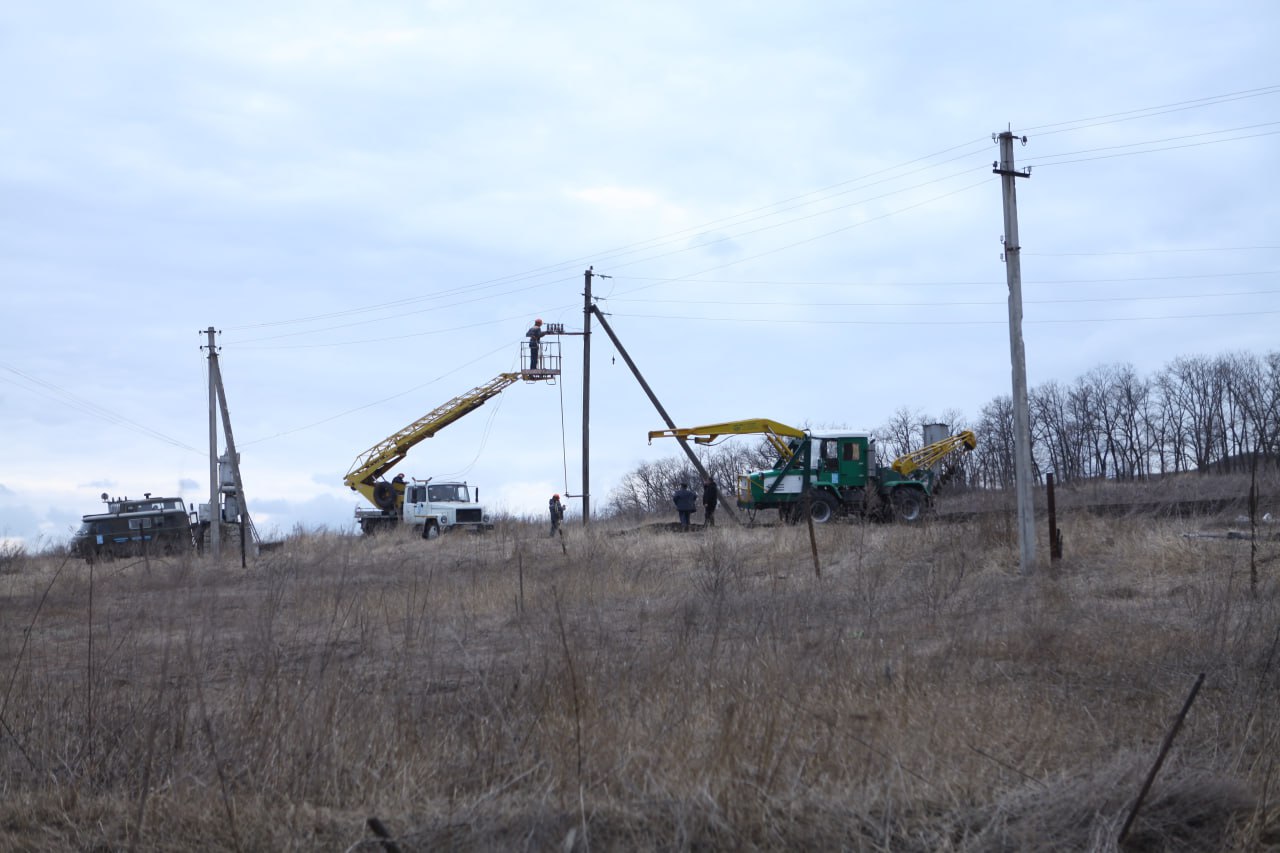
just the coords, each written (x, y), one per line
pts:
(215, 504)
(1017, 353)
(586, 397)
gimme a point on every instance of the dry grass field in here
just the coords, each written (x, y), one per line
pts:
(647, 690)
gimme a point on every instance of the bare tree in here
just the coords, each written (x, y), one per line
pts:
(899, 435)
(995, 449)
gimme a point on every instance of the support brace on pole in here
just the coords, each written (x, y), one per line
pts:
(653, 398)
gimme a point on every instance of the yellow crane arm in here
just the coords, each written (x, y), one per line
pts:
(932, 454)
(377, 460)
(771, 430)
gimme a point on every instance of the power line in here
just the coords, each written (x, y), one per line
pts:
(67, 398)
(1038, 162)
(796, 202)
(1151, 251)
(975, 283)
(373, 403)
(774, 320)
(816, 237)
(405, 336)
(608, 255)
(936, 304)
(1147, 112)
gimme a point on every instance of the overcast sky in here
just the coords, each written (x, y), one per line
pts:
(372, 201)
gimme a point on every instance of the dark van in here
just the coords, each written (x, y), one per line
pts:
(129, 528)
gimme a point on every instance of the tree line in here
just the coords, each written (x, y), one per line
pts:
(1197, 413)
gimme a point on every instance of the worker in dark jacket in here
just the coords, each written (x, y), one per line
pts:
(535, 343)
(686, 502)
(557, 513)
(710, 497)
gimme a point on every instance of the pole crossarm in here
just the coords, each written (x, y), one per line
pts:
(378, 459)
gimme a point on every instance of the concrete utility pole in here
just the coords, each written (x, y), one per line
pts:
(215, 505)
(233, 458)
(1017, 353)
(586, 397)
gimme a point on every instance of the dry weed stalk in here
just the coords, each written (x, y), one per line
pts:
(651, 690)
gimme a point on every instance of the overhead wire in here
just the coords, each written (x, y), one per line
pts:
(960, 304)
(747, 217)
(960, 283)
(919, 322)
(1040, 162)
(62, 395)
(814, 238)
(488, 426)
(617, 254)
(1120, 252)
(1148, 112)
(372, 403)
(608, 255)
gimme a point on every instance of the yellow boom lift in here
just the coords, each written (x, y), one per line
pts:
(435, 506)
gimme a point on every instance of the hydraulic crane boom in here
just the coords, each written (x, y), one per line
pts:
(932, 454)
(772, 430)
(377, 460)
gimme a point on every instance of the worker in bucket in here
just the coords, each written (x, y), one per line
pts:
(535, 343)
(557, 513)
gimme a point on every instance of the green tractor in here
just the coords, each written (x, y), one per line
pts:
(823, 474)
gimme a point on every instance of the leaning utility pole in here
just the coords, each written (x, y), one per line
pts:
(1017, 353)
(586, 397)
(247, 530)
(653, 398)
(215, 511)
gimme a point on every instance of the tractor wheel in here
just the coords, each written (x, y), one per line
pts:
(822, 507)
(908, 504)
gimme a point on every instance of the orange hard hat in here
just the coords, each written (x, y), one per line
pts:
(555, 496)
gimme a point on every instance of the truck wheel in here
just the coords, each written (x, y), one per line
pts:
(821, 507)
(430, 530)
(908, 504)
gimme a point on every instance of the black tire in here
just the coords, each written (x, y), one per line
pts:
(909, 504)
(822, 507)
(430, 530)
(384, 495)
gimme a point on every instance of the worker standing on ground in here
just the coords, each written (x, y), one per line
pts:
(710, 497)
(535, 343)
(557, 513)
(686, 502)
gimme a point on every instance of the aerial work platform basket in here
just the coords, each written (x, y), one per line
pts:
(540, 360)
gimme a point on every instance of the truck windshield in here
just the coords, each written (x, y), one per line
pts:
(451, 492)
